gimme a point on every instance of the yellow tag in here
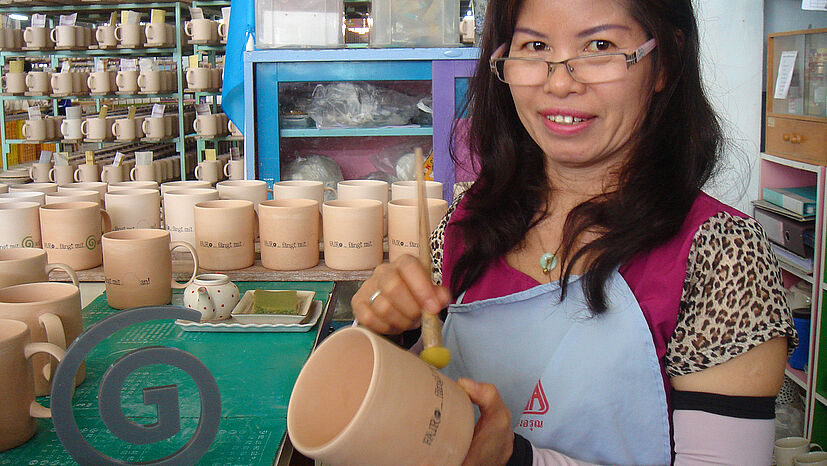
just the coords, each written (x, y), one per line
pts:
(131, 112)
(194, 61)
(158, 16)
(16, 66)
(124, 16)
(113, 18)
(102, 113)
(209, 154)
(90, 157)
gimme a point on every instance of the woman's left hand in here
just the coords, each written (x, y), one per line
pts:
(493, 437)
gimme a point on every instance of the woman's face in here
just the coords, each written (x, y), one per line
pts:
(598, 119)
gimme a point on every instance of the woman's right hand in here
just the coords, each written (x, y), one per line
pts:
(405, 291)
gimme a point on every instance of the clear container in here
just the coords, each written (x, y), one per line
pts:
(299, 23)
(415, 23)
(807, 95)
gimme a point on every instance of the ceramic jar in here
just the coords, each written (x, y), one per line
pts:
(213, 295)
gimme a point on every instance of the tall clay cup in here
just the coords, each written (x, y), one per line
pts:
(289, 230)
(137, 265)
(367, 189)
(39, 172)
(254, 191)
(403, 221)
(20, 225)
(352, 234)
(225, 234)
(51, 310)
(407, 190)
(179, 212)
(98, 186)
(360, 399)
(71, 233)
(72, 195)
(28, 265)
(19, 408)
(301, 189)
(87, 173)
(132, 209)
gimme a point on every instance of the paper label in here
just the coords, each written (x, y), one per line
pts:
(16, 66)
(103, 111)
(818, 5)
(64, 66)
(90, 157)
(158, 16)
(147, 64)
(157, 110)
(45, 156)
(118, 159)
(68, 20)
(34, 113)
(193, 61)
(202, 109)
(38, 20)
(209, 154)
(129, 64)
(225, 14)
(196, 13)
(99, 65)
(143, 158)
(130, 17)
(786, 66)
(113, 18)
(61, 159)
(131, 112)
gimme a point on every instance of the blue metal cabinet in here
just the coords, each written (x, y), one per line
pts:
(265, 70)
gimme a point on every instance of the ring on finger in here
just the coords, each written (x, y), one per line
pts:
(373, 297)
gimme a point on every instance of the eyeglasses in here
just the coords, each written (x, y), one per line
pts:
(586, 69)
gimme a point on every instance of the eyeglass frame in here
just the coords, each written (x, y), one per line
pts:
(631, 59)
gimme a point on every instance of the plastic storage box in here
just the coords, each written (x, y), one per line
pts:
(415, 23)
(299, 23)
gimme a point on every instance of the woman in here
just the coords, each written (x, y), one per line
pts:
(602, 308)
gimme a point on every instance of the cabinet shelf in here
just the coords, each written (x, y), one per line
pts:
(821, 398)
(355, 132)
(800, 273)
(88, 6)
(45, 54)
(167, 95)
(797, 376)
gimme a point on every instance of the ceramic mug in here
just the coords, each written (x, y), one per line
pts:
(127, 81)
(51, 310)
(39, 82)
(132, 209)
(188, 184)
(403, 225)
(19, 408)
(352, 385)
(62, 174)
(129, 35)
(97, 186)
(142, 173)
(154, 127)
(70, 129)
(101, 82)
(74, 113)
(39, 171)
(105, 35)
(225, 233)
(20, 225)
(80, 85)
(71, 233)
(208, 170)
(124, 129)
(47, 187)
(788, 448)
(234, 170)
(112, 174)
(179, 213)
(36, 130)
(96, 128)
(254, 191)
(301, 189)
(73, 195)
(813, 458)
(407, 190)
(86, 173)
(352, 231)
(24, 196)
(201, 30)
(64, 36)
(289, 230)
(151, 81)
(139, 184)
(159, 34)
(4, 188)
(199, 78)
(137, 266)
(206, 126)
(15, 83)
(366, 189)
(222, 31)
(28, 265)
(37, 37)
(61, 83)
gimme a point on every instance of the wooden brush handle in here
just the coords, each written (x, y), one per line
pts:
(431, 325)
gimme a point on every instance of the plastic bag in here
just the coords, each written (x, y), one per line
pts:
(314, 167)
(360, 105)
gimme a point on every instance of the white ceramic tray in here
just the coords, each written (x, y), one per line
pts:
(232, 325)
(242, 314)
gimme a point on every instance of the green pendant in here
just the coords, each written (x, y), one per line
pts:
(548, 262)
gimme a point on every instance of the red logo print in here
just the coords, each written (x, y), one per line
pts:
(538, 403)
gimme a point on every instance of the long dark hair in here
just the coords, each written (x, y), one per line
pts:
(673, 154)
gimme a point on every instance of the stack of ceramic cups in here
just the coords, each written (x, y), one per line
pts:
(70, 126)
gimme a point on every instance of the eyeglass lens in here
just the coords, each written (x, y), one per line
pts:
(587, 70)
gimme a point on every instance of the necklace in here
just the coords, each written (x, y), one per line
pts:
(548, 261)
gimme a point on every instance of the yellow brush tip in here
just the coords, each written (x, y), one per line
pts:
(437, 356)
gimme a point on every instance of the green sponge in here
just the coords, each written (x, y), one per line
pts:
(275, 302)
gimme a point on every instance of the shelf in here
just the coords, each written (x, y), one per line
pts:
(45, 54)
(795, 270)
(821, 398)
(221, 138)
(797, 376)
(168, 95)
(355, 132)
(210, 48)
(790, 163)
(88, 6)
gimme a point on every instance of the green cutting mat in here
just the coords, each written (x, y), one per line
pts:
(255, 373)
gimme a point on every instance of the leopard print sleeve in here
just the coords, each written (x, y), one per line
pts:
(733, 297)
(438, 240)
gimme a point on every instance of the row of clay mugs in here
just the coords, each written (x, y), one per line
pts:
(131, 36)
(43, 129)
(38, 38)
(146, 81)
(798, 451)
(11, 39)
(162, 127)
(211, 125)
(71, 37)
(205, 31)
(211, 171)
(45, 83)
(204, 79)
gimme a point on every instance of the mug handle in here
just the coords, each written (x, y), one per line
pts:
(36, 409)
(84, 127)
(188, 28)
(116, 33)
(227, 169)
(188, 246)
(69, 271)
(56, 335)
(107, 221)
(197, 172)
(815, 445)
(52, 175)
(53, 34)
(132, 173)
(31, 169)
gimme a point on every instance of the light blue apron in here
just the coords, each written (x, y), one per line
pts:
(587, 386)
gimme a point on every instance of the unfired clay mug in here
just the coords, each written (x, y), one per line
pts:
(407, 190)
(234, 170)
(112, 174)
(86, 173)
(71, 233)
(132, 209)
(179, 213)
(120, 186)
(127, 81)
(47, 187)
(352, 234)
(208, 170)
(28, 265)
(19, 408)
(403, 225)
(39, 172)
(366, 189)
(301, 189)
(289, 230)
(788, 448)
(15, 83)
(137, 265)
(51, 310)
(254, 191)
(377, 403)
(20, 224)
(105, 35)
(813, 458)
(73, 195)
(24, 196)
(225, 234)
(98, 186)
(62, 174)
